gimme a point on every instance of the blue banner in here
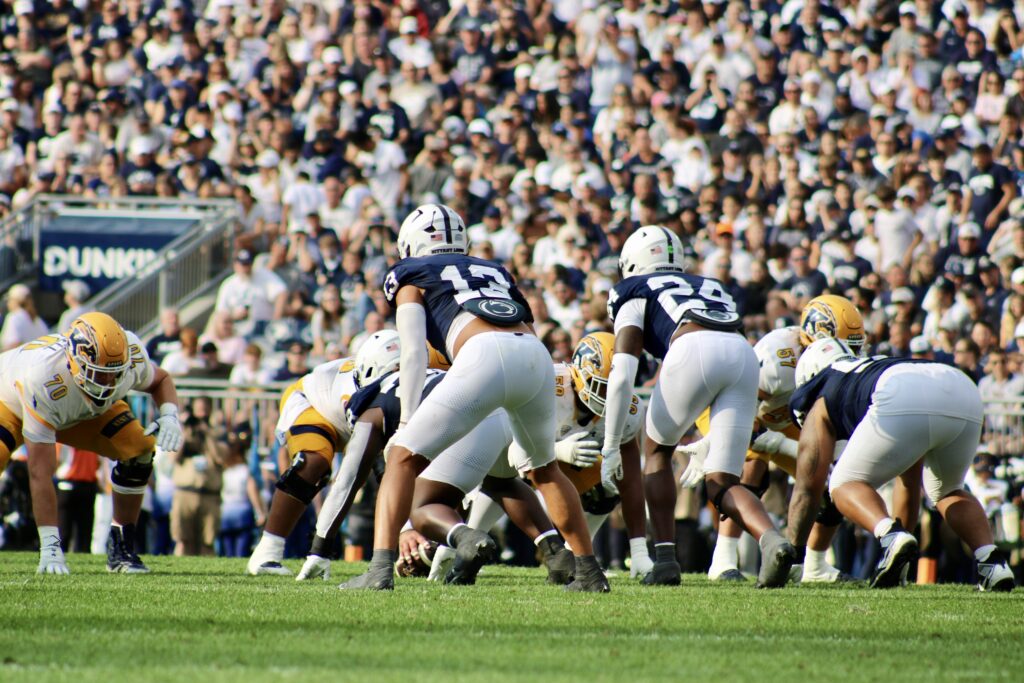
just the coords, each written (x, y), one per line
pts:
(101, 251)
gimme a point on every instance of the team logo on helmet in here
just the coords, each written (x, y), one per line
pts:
(587, 356)
(819, 323)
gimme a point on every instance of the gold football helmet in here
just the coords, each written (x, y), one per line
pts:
(832, 317)
(98, 355)
(591, 365)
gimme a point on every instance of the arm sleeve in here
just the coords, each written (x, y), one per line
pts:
(412, 330)
(620, 395)
(345, 483)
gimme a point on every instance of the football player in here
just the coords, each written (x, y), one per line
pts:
(690, 324)
(478, 459)
(470, 310)
(70, 388)
(580, 390)
(314, 426)
(827, 316)
(913, 420)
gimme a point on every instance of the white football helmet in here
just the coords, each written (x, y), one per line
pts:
(432, 229)
(651, 249)
(378, 356)
(820, 355)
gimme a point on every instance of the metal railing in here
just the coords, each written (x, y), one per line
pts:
(188, 267)
(1003, 431)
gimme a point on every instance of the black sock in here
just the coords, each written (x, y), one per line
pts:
(551, 545)
(383, 557)
(665, 552)
(587, 564)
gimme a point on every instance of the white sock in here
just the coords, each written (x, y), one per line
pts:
(815, 562)
(541, 537)
(884, 527)
(448, 538)
(981, 554)
(726, 554)
(271, 545)
(49, 535)
(638, 547)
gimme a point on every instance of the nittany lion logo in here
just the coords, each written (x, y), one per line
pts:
(499, 309)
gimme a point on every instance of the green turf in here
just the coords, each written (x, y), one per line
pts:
(195, 620)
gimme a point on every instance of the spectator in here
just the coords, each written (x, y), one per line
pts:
(195, 510)
(296, 363)
(76, 293)
(186, 359)
(251, 295)
(169, 337)
(21, 324)
(241, 508)
(221, 332)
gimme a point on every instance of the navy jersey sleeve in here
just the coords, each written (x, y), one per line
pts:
(361, 401)
(399, 276)
(804, 398)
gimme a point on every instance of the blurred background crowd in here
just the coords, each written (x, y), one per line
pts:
(869, 148)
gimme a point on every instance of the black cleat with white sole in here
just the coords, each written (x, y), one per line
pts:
(473, 549)
(121, 555)
(899, 549)
(664, 573)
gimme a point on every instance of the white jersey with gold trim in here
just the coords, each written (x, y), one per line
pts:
(328, 389)
(37, 386)
(566, 422)
(777, 353)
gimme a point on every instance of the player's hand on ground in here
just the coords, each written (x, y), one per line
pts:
(640, 566)
(611, 469)
(51, 559)
(578, 450)
(315, 567)
(167, 429)
(697, 451)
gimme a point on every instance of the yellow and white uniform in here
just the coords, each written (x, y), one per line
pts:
(40, 401)
(569, 423)
(312, 416)
(777, 353)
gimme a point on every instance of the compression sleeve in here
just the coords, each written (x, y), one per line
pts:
(345, 483)
(412, 330)
(620, 395)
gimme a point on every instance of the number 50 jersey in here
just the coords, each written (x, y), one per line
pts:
(658, 302)
(448, 281)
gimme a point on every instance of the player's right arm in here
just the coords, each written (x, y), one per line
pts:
(817, 446)
(411, 320)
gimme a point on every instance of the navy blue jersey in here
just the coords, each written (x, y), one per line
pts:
(383, 394)
(848, 388)
(448, 281)
(666, 299)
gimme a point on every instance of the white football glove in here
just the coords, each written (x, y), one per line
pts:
(51, 558)
(611, 469)
(768, 443)
(577, 452)
(640, 563)
(167, 429)
(315, 567)
(693, 475)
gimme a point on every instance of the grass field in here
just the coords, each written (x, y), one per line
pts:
(197, 620)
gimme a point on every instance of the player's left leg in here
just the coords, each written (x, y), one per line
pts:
(118, 435)
(944, 470)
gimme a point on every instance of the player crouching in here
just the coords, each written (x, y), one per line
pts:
(70, 389)
(915, 421)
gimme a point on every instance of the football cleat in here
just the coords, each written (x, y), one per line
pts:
(559, 560)
(269, 568)
(374, 579)
(899, 549)
(995, 574)
(589, 577)
(121, 555)
(665, 573)
(473, 550)
(777, 558)
(733, 575)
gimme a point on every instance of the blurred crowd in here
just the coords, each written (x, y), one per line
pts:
(870, 148)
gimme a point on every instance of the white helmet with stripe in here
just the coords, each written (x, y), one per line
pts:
(820, 355)
(432, 229)
(651, 249)
(378, 355)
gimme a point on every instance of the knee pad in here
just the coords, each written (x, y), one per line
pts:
(597, 501)
(132, 476)
(828, 513)
(759, 488)
(292, 483)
